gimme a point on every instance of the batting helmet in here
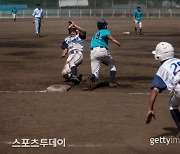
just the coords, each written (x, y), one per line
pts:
(102, 24)
(163, 51)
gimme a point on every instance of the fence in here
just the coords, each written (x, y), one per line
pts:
(91, 13)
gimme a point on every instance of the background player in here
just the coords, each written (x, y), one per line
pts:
(14, 11)
(73, 46)
(37, 18)
(167, 77)
(99, 53)
(137, 20)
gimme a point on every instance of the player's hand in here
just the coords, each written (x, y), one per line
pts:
(62, 56)
(33, 22)
(150, 115)
(42, 20)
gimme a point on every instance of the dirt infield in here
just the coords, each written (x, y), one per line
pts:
(101, 121)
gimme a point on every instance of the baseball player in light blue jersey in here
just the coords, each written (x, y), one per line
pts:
(137, 20)
(167, 77)
(14, 11)
(37, 18)
(99, 53)
(73, 47)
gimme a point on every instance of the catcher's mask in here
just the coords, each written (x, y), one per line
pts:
(72, 29)
(163, 51)
(102, 24)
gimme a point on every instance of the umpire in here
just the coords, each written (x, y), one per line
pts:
(37, 18)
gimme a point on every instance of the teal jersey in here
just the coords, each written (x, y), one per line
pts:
(137, 15)
(14, 11)
(100, 39)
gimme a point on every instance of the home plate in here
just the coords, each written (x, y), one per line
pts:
(58, 88)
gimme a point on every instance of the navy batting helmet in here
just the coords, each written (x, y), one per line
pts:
(102, 24)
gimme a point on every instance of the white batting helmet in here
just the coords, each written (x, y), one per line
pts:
(163, 51)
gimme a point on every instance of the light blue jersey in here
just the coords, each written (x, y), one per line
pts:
(100, 39)
(138, 15)
(14, 11)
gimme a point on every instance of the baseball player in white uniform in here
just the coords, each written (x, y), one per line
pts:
(167, 77)
(99, 53)
(37, 18)
(73, 46)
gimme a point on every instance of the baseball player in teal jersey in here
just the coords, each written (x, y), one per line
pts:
(99, 53)
(137, 20)
(167, 77)
(14, 11)
(37, 18)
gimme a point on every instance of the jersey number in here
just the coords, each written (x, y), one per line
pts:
(176, 68)
(97, 36)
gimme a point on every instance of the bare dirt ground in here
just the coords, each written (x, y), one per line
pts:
(102, 121)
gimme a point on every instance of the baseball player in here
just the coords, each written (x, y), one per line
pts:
(137, 20)
(14, 11)
(73, 46)
(167, 77)
(37, 18)
(99, 53)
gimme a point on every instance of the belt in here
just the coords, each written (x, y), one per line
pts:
(99, 47)
(73, 52)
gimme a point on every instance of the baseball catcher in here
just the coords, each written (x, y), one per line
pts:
(167, 77)
(73, 47)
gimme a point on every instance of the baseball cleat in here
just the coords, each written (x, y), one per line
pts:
(89, 83)
(75, 80)
(113, 85)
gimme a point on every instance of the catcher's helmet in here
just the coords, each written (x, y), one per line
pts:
(163, 51)
(102, 24)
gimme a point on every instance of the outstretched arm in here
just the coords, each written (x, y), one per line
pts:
(80, 29)
(114, 40)
(151, 113)
(65, 51)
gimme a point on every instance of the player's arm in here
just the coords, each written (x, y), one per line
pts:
(80, 29)
(65, 51)
(114, 40)
(33, 17)
(158, 85)
(64, 46)
(151, 113)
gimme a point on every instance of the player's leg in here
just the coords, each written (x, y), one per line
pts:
(66, 72)
(108, 60)
(140, 27)
(37, 26)
(73, 64)
(174, 105)
(136, 25)
(95, 67)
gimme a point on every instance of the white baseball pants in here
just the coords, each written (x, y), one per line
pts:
(100, 55)
(73, 60)
(138, 24)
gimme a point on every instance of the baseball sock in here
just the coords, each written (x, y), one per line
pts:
(92, 77)
(140, 31)
(74, 71)
(176, 116)
(112, 76)
(135, 30)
